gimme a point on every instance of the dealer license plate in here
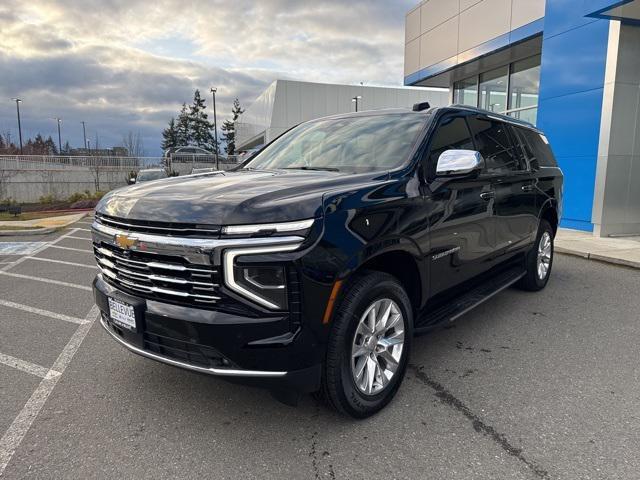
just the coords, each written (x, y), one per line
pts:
(122, 314)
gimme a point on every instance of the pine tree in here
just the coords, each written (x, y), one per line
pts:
(229, 127)
(170, 135)
(183, 128)
(2, 144)
(66, 148)
(50, 147)
(201, 127)
(38, 145)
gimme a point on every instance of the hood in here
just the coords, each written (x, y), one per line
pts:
(231, 198)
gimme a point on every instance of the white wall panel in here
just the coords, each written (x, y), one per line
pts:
(412, 57)
(525, 11)
(439, 44)
(435, 12)
(412, 25)
(483, 22)
(464, 4)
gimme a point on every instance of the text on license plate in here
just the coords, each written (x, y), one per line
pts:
(122, 314)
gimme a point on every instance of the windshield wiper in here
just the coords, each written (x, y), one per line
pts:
(320, 169)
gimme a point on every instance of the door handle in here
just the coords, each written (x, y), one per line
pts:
(527, 188)
(487, 195)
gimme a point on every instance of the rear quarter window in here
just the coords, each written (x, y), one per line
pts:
(537, 148)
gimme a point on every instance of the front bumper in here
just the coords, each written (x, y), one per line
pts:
(254, 351)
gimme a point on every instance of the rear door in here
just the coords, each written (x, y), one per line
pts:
(506, 167)
(460, 212)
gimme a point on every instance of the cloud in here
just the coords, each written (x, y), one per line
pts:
(124, 65)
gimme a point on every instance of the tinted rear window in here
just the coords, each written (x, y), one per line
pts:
(537, 148)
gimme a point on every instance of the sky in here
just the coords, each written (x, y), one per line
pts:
(128, 65)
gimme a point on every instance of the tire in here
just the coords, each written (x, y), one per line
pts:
(535, 280)
(349, 337)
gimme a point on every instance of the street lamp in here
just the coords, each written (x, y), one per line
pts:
(215, 125)
(59, 120)
(84, 134)
(355, 100)
(18, 101)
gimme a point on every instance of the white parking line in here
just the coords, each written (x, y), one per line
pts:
(70, 248)
(73, 264)
(79, 238)
(28, 367)
(47, 280)
(16, 432)
(44, 247)
(85, 229)
(44, 313)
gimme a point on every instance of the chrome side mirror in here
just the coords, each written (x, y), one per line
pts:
(458, 162)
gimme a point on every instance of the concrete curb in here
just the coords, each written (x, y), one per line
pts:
(598, 257)
(43, 230)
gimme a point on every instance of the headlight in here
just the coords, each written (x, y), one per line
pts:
(268, 228)
(263, 284)
(268, 283)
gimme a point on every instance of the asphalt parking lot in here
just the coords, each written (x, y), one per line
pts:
(528, 385)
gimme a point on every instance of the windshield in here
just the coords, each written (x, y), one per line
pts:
(352, 144)
(155, 175)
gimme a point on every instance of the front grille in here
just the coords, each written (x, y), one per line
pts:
(192, 353)
(160, 228)
(162, 277)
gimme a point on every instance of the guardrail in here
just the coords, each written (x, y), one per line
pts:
(65, 162)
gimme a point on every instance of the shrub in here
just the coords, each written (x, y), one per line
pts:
(75, 197)
(48, 199)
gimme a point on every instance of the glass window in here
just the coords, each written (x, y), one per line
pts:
(524, 87)
(493, 89)
(537, 148)
(465, 92)
(452, 134)
(494, 143)
(352, 144)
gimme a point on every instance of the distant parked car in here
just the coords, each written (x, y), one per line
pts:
(149, 174)
(188, 150)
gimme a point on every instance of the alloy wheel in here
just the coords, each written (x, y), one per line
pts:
(377, 346)
(544, 255)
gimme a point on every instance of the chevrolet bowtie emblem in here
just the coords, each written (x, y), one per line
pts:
(125, 242)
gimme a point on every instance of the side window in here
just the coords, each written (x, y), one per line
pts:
(493, 142)
(537, 148)
(518, 148)
(452, 134)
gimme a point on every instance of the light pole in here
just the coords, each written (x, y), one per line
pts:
(18, 101)
(355, 100)
(215, 126)
(84, 134)
(59, 120)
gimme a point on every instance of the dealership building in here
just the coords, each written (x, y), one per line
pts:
(572, 67)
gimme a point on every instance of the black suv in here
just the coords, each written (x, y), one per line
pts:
(310, 267)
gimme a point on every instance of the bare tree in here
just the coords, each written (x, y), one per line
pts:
(132, 141)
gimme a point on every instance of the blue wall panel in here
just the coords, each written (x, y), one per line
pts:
(574, 55)
(572, 122)
(574, 61)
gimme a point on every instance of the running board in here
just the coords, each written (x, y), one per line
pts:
(461, 305)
